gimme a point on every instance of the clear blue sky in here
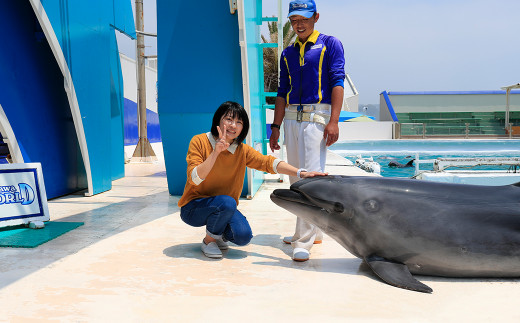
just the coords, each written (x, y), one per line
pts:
(414, 45)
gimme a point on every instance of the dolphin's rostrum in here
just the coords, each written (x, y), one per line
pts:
(402, 227)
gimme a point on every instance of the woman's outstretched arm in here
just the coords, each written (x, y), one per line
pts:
(288, 169)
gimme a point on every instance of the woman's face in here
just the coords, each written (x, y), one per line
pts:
(232, 125)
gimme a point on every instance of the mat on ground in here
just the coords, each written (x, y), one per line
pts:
(22, 237)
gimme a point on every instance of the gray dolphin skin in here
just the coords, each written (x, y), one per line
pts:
(401, 227)
(393, 163)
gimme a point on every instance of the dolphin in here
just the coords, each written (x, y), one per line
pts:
(393, 163)
(368, 165)
(401, 227)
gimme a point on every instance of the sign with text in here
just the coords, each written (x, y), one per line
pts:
(22, 194)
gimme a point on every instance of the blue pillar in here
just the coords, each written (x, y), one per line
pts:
(199, 68)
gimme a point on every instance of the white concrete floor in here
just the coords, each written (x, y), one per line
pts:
(134, 260)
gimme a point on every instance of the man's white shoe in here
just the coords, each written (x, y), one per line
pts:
(288, 240)
(300, 254)
(211, 250)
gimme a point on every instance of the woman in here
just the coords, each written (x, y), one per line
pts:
(217, 161)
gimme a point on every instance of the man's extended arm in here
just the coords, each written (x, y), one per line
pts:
(279, 113)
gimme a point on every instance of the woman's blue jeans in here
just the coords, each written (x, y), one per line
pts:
(220, 216)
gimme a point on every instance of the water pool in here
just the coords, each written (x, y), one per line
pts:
(402, 151)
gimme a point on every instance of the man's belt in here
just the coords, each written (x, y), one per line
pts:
(309, 107)
(307, 117)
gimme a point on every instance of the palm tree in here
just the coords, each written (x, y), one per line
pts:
(271, 57)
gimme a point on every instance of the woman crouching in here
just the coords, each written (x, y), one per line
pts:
(217, 162)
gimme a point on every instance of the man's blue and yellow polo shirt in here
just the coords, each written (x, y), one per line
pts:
(309, 71)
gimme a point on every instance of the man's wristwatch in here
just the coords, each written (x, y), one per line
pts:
(274, 125)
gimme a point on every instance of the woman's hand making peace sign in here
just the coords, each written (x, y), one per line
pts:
(222, 143)
(205, 167)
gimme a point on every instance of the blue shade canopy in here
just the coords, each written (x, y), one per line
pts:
(123, 17)
(350, 116)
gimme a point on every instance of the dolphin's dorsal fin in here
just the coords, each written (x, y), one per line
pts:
(410, 163)
(395, 274)
(516, 184)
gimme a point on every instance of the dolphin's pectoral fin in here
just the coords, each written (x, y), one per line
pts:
(396, 274)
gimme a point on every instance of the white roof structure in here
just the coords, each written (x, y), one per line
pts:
(514, 86)
(351, 96)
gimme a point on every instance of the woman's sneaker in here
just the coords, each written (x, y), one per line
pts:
(222, 245)
(211, 250)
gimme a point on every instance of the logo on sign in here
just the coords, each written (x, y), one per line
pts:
(23, 195)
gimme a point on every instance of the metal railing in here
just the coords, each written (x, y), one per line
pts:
(466, 130)
(440, 164)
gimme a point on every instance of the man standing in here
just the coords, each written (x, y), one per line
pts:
(310, 95)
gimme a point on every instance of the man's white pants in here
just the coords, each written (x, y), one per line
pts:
(305, 149)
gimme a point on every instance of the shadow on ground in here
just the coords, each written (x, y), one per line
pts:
(100, 223)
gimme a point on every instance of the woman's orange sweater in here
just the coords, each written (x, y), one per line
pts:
(227, 175)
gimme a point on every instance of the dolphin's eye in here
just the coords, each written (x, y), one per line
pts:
(371, 205)
(338, 207)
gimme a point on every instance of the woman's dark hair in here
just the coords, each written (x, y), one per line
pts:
(234, 110)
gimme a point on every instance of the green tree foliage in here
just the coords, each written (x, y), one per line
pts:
(271, 54)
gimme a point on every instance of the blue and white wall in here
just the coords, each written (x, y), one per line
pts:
(131, 126)
(61, 88)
